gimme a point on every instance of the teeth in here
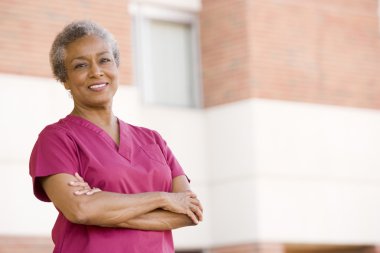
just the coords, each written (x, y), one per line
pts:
(95, 86)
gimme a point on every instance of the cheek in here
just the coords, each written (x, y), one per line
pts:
(114, 74)
(77, 78)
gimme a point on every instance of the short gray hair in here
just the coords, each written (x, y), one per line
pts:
(69, 34)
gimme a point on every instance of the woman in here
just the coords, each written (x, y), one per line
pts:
(144, 191)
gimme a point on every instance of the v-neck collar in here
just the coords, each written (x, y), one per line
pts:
(123, 148)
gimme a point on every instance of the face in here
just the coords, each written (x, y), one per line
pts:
(92, 74)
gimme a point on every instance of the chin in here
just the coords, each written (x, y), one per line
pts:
(102, 103)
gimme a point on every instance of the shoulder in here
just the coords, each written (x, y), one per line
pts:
(139, 130)
(57, 130)
(58, 126)
(143, 133)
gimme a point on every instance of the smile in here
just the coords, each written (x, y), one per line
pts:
(97, 86)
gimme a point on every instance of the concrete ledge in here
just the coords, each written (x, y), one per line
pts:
(21, 244)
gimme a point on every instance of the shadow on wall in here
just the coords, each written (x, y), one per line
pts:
(299, 248)
(295, 248)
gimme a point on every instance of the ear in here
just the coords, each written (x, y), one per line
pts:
(66, 85)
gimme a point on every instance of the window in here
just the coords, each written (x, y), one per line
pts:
(166, 56)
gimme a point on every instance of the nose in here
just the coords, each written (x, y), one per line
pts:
(96, 70)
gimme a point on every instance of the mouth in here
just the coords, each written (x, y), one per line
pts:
(97, 86)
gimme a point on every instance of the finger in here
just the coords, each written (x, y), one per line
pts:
(193, 217)
(74, 183)
(197, 203)
(200, 205)
(79, 177)
(81, 192)
(84, 185)
(198, 212)
(93, 190)
(191, 194)
(80, 184)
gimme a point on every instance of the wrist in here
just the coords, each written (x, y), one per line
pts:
(163, 198)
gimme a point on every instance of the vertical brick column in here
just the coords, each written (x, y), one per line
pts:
(224, 50)
(324, 52)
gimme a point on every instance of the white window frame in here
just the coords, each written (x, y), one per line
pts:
(143, 13)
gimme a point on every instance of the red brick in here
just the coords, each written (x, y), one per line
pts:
(224, 47)
(316, 51)
(29, 27)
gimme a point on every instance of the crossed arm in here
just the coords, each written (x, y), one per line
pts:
(144, 211)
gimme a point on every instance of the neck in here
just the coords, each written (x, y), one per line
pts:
(104, 117)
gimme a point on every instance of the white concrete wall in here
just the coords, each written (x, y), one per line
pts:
(265, 170)
(229, 140)
(317, 173)
(26, 106)
(293, 172)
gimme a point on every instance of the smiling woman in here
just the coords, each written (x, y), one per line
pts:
(92, 74)
(117, 187)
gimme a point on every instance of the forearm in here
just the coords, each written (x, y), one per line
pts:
(146, 211)
(158, 220)
(111, 209)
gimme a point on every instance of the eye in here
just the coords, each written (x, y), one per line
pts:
(105, 60)
(80, 65)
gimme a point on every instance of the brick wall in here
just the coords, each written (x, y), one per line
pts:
(318, 51)
(224, 50)
(28, 28)
(313, 51)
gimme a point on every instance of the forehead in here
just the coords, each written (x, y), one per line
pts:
(86, 46)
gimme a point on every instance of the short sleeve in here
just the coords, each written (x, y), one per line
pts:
(54, 152)
(172, 162)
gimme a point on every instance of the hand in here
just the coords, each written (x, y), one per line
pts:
(185, 203)
(86, 189)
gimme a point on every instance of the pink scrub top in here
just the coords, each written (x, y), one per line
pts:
(141, 163)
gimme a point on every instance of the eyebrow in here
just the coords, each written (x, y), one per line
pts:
(84, 57)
